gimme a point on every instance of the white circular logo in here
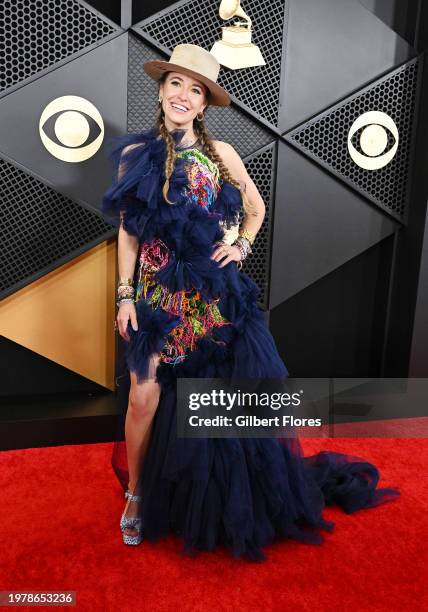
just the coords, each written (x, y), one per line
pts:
(72, 121)
(373, 140)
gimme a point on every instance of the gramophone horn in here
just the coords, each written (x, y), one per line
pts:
(232, 8)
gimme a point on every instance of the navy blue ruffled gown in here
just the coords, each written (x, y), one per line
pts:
(203, 321)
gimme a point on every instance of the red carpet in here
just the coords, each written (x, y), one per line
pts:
(59, 527)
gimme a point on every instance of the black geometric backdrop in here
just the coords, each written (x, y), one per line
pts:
(258, 96)
(39, 229)
(35, 35)
(324, 138)
(198, 22)
(69, 28)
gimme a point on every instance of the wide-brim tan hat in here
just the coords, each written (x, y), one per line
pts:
(196, 62)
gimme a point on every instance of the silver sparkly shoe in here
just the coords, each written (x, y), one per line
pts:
(131, 523)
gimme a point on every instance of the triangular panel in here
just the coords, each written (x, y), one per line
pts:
(68, 315)
(38, 35)
(27, 373)
(319, 224)
(325, 139)
(261, 168)
(86, 77)
(40, 229)
(334, 47)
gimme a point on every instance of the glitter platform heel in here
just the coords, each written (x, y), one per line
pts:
(131, 523)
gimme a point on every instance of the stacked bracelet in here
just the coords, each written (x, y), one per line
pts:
(125, 301)
(244, 246)
(125, 292)
(247, 234)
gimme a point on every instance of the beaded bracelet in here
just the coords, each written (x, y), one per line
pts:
(123, 291)
(244, 247)
(125, 301)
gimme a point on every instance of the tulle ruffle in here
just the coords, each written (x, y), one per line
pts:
(245, 493)
(189, 231)
(137, 194)
(347, 481)
(153, 327)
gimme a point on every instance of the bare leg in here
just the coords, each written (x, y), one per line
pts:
(142, 406)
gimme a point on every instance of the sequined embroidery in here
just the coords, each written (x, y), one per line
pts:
(203, 177)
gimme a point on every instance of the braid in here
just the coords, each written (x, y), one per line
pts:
(210, 151)
(170, 156)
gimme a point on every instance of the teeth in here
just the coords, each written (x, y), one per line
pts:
(178, 107)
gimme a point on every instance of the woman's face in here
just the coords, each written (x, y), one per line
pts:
(182, 97)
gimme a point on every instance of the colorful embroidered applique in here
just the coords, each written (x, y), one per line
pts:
(153, 256)
(198, 316)
(203, 177)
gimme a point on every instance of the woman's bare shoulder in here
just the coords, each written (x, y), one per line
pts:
(225, 150)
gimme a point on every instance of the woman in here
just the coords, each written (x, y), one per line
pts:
(186, 310)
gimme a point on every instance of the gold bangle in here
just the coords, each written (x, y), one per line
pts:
(125, 281)
(246, 234)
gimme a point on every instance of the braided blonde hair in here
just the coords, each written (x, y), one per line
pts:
(209, 150)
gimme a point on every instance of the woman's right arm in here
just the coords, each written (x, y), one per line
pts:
(127, 250)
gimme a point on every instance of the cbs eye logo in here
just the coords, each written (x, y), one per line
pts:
(373, 140)
(67, 124)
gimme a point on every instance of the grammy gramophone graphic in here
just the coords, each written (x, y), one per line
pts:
(235, 49)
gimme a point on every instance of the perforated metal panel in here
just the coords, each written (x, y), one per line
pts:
(198, 22)
(225, 123)
(231, 126)
(324, 138)
(261, 168)
(35, 35)
(142, 90)
(39, 228)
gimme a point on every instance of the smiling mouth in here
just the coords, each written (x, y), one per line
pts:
(179, 107)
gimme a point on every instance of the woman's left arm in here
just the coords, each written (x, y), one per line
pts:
(253, 220)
